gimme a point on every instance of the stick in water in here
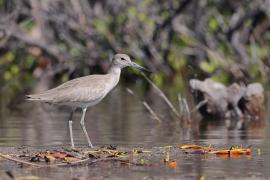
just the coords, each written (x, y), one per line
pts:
(146, 105)
(162, 95)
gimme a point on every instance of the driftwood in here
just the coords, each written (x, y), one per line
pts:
(252, 101)
(227, 102)
(214, 93)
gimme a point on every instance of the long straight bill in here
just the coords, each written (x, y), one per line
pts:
(135, 65)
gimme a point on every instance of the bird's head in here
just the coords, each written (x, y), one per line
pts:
(123, 60)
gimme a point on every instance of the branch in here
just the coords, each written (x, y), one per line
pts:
(249, 14)
(146, 105)
(162, 95)
(67, 163)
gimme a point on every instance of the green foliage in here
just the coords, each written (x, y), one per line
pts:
(208, 67)
(177, 60)
(158, 78)
(29, 62)
(27, 25)
(100, 26)
(2, 3)
(7, 58)
(147, 2)
(259, 52)
(164, 14)
(213, 24)
(222, 77)
(62, 46)
(178, 84)
(16, 73)
(132, 11)
(75, 52)
(183, 40)
(196, 37)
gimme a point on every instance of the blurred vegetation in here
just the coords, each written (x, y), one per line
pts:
(44, 41)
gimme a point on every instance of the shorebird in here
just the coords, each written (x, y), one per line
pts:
(85, 91)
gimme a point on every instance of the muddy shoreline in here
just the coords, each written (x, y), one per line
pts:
(108, 162)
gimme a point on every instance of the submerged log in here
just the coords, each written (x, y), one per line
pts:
(235, 93)
(226, 102)
(214, 93)
(252, 101)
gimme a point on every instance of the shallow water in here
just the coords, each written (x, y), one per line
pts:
(122, 120)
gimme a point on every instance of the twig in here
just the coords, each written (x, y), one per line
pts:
(162, 95)
(43, 165)
(151, 111)
(146, 105)
(114, 159)
(186, 105)
(180, 104)
(187, 111)
(199, 105)
(18, 160)
(68, 163)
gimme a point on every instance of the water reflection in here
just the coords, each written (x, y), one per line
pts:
(119, 119)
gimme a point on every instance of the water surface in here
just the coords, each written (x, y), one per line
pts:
(122, 120)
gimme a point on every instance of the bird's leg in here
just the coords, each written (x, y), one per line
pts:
(70, 127)
(83, 127)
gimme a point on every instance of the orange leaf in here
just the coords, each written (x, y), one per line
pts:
(240, 151)
(173, 164)
(232, 152)
(49, 158)
(58, 155)
(221, 152)
(191, 146)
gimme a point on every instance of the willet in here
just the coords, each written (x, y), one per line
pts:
(85, 91)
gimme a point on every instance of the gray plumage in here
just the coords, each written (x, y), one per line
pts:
(80, 92)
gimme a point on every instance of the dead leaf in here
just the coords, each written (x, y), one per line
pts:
(49, 158)
(58, 155)
(173, 164)
(70, 159)
(191, 146)
(28, 178)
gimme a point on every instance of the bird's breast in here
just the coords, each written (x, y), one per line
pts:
(111, 83)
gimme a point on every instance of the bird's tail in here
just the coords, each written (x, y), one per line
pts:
(34, 97)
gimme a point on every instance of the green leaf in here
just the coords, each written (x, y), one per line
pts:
(100, 26)
(7, 76)
(14, 69)
(213, 24)
(132, 11)
(208, 67)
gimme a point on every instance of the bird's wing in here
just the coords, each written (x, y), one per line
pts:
(84, 89)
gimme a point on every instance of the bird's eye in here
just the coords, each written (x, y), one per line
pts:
(122, 59)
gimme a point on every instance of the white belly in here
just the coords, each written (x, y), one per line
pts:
(86, 104)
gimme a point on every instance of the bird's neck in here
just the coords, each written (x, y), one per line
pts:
(114, 74)
(115, 70)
